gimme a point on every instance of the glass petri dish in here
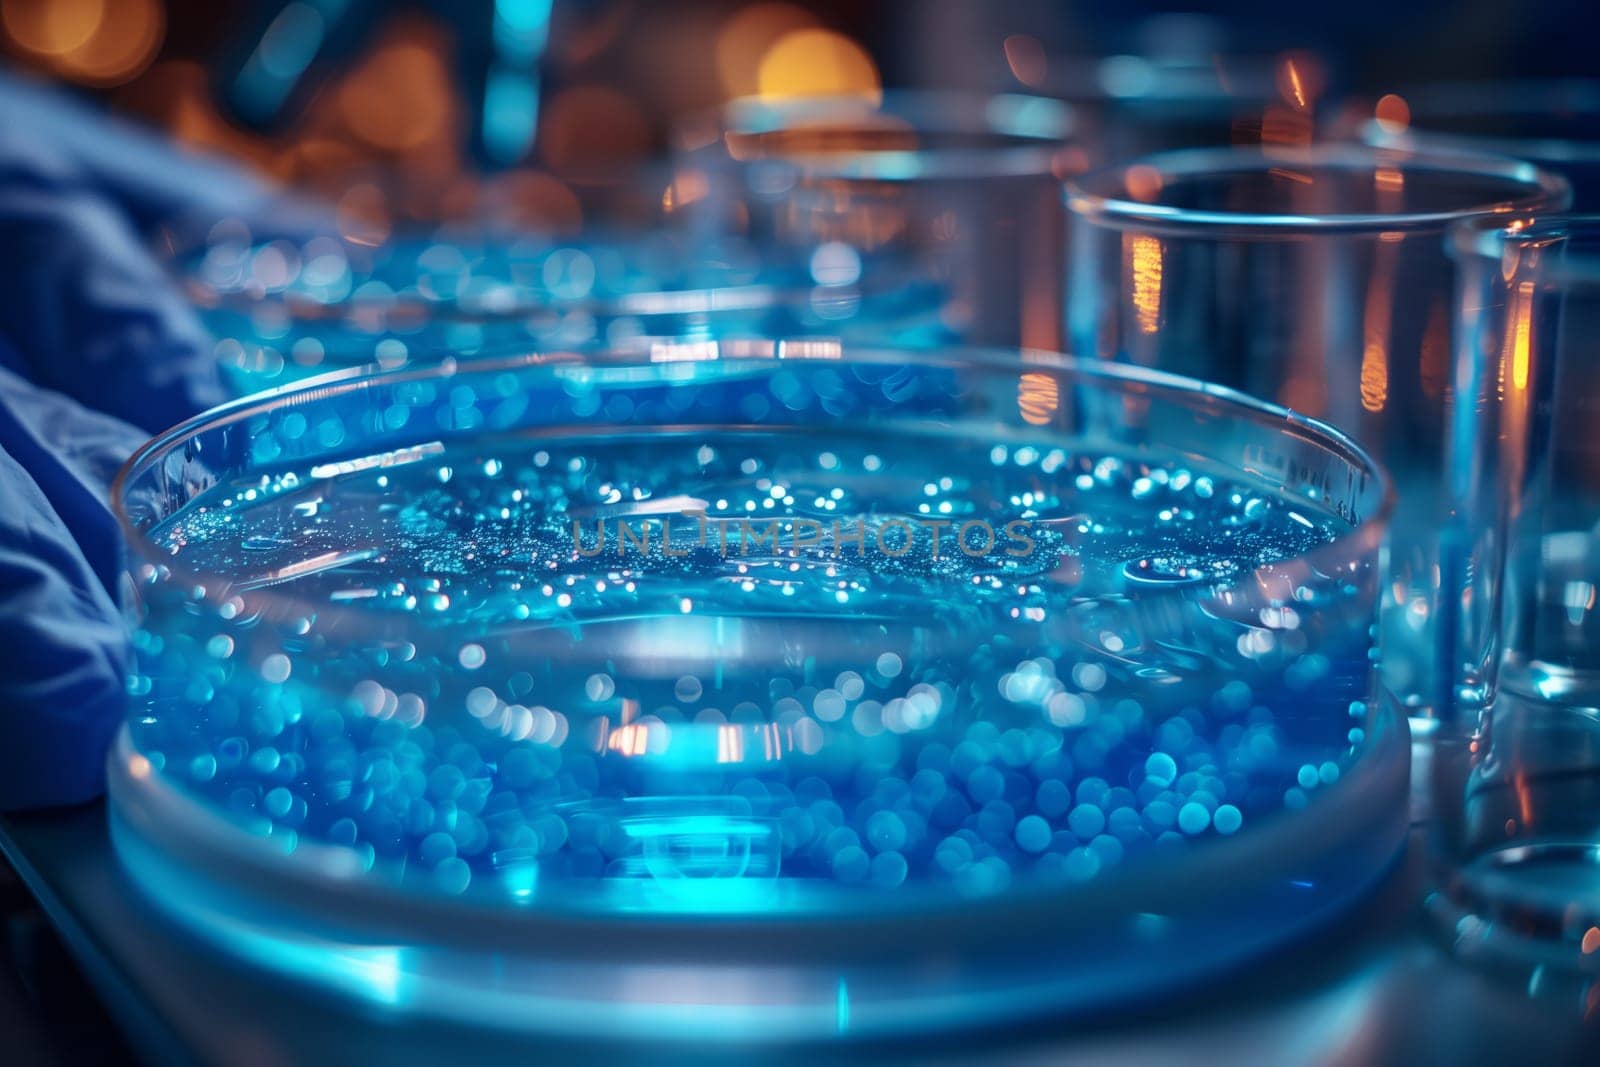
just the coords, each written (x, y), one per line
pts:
(551, 691)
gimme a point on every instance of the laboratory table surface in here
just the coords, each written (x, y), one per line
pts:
(1378, 986)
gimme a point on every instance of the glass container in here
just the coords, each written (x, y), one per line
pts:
(1316, 278)
(943, 208)
(1520, 811)
(754, 690)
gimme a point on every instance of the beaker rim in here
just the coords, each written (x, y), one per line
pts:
(1030, 133)
(1492, 237)
(1103, 196)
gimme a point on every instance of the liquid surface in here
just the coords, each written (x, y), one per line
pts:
(738, 670)
(283, 310)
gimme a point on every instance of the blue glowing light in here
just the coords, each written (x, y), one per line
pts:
(520, 29)
(285, 51)
(510, 114)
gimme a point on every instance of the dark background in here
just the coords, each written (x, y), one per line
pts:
(618, 73)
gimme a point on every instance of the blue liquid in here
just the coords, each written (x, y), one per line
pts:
(283, 310)
(729, 718)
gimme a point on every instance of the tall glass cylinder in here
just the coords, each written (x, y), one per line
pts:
(1316, 278)
(1522, 564)
(917, 218)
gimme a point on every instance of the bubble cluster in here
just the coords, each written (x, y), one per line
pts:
(472, 698)
(284, 308)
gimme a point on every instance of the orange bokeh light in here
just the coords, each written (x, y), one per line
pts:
(746, 38)
(1144, 182)
(818, 63)
(397, 99)
(92, 42)
(52, 29)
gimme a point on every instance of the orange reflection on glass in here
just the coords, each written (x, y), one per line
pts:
(1522, 336)
(1299, 177)
(1038, 397)
(1025, 56)
(1393, 113)
(817, 63)
(1376, 323)
(1284, 125)
(631, 739)
(1144, 256)
(1292, 85)
(686, 187)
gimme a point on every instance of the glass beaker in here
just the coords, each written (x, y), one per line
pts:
(1520, 824)
(1316, 278)
(943, 208)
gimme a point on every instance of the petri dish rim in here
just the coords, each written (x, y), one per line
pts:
(1496, 100)
(1493, 237)
(1096, 197)
(710, 300)
(1030, 132)
(1361, 537)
